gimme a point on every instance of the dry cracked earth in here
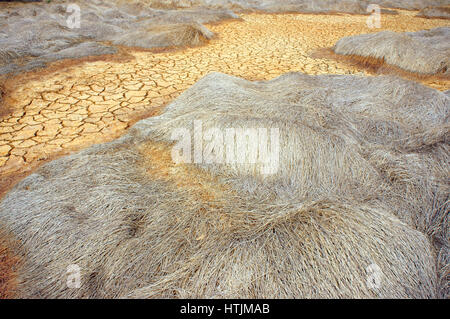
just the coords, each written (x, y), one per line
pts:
(74, 104)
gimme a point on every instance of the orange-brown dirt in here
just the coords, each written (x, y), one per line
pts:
(159, 164)
(74, 104)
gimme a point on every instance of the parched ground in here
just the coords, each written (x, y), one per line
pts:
(66, 108)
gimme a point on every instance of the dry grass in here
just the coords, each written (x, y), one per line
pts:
(176, 35)
(423, 52)
(161, 4)
(363, 178)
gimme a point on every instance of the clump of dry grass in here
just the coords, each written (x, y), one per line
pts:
(435, 12)
(172, 35)
(375, 66)
(166, 4)
(362, 180)
(423, 52)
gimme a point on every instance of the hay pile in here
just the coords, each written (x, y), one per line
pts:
(362, 180)
(435, 12)
(422, 52)
(307, 6)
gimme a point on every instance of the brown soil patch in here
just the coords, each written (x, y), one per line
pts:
(201, 184)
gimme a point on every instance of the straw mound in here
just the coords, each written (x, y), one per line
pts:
(308, 6)
(362, 182)
(435, 12)
(167, 35)
(423, 52)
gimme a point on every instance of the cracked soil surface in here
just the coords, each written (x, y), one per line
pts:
(75, 105)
